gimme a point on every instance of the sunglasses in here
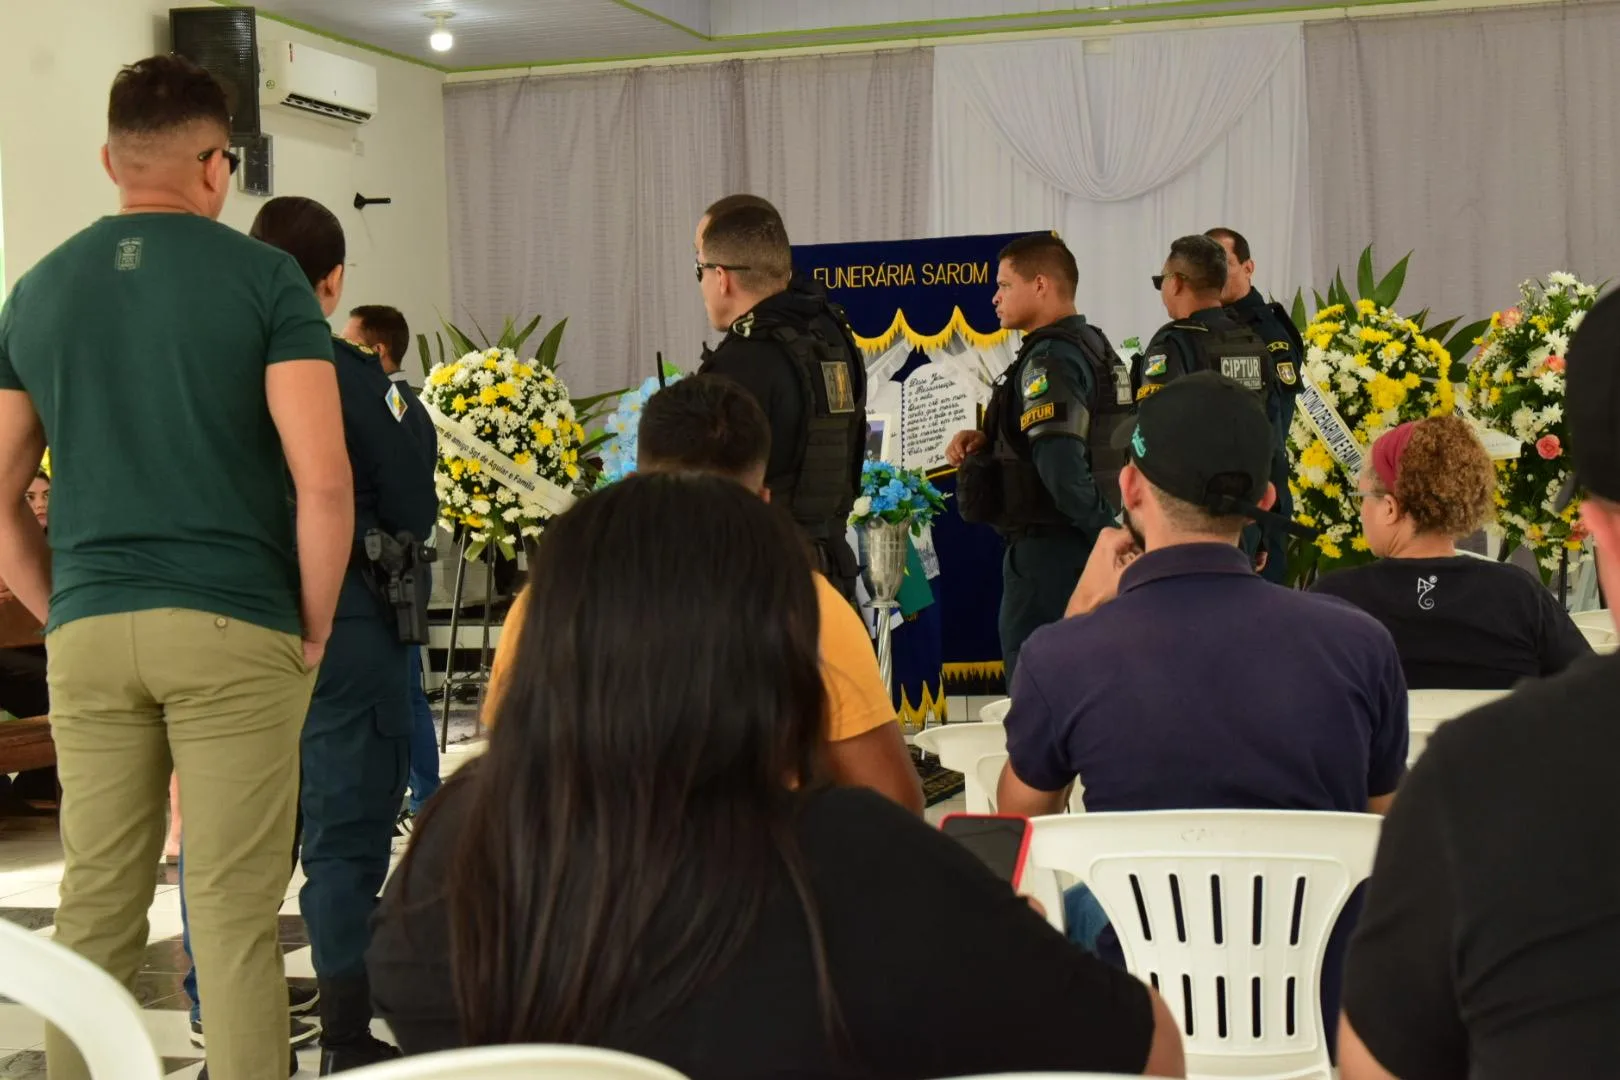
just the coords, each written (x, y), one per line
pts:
(699, 267)
(1159, 279)
(233, 159)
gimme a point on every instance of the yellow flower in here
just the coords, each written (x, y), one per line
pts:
(1385, 392)
(522, 370)
(1316, 456)
(1534, 533)
(441, 376)
(1375, 337)
(1360, 544)
(1332, 491)
(1366, 307)
(506, 389)
(1362, 359)
(522, 457)
(1306, 520)
(1496, 320)
(487, 396)
(1330, 311)
(459, 404)
(1573, 545)
(489, 363)
(474, 465)
(1496, 395)
(1329, 548)
(1541, 322)
(1412, 380)
(572, 470)
(457, 467)
(579, 433)
(474, 520)
(545, 436)
(1505, 375)
(1445, 400)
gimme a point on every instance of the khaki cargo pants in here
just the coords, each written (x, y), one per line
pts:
(222, 703)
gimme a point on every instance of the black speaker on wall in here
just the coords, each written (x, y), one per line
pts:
(224, 42)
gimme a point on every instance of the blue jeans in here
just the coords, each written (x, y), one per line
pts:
(424, 777)
(185, 943)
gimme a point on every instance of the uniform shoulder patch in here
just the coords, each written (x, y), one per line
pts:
(1287, 374)
(1036, 383)
(1280, 346)
(1154, 365)
(1148, 391)
(396, 401)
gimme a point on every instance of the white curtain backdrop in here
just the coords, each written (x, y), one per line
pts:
(1484, 142)
(578, 196)
(1122, 146)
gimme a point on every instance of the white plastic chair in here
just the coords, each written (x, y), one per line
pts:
(82, 1001)
(520, 1063)
(1052, 1076)
(1431, 708)
(995, 712)
(959, 747)
(1227, 913)
(988, 768)
(1428, 709)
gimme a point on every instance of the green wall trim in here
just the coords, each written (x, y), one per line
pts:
(1160, 11)
(665, 19)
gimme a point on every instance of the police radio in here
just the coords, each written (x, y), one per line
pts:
(396, 565)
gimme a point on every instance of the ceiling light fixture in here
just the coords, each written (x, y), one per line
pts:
(441, 39)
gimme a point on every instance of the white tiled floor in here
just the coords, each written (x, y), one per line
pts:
(30, 876)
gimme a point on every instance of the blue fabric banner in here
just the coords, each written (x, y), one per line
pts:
(928, 290)
(931, 291)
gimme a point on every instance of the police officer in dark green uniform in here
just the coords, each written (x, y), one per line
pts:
(789, 347)
(1042, 468)
(1287, 350)
(1202, 335)
(356, 741)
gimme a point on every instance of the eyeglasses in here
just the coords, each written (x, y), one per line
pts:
(1158, 280)
(233, 159)
(699, 267)
(1365, 495)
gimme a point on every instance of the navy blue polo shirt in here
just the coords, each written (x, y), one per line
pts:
(1203, 686)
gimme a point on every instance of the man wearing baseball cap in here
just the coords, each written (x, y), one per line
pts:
(1493, 917)
(1168, 689)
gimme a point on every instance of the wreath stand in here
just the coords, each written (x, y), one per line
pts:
(479, 677)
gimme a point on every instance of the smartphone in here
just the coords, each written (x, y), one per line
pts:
(1000, 841)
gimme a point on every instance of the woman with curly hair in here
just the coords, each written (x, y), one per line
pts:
(1459, 621)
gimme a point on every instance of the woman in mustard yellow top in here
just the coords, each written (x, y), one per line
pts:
(709, 424)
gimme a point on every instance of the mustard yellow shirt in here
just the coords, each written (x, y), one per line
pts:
(857, 701)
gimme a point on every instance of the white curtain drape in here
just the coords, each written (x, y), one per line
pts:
(1484, 142)
(1124, 145)
(578, 196)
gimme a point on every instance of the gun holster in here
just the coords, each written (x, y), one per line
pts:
(396, 568)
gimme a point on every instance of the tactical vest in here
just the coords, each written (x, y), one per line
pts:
(1236, 352)
(1009, 493)
(832, 383)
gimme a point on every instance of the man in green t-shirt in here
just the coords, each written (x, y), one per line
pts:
(201, 524)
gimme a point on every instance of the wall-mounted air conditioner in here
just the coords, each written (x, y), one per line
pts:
(319, 83)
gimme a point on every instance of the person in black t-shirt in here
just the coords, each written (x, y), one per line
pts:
(1487, 948)
(1459, 622)
(648, 860)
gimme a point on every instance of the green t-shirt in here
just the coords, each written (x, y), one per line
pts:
(143, 342)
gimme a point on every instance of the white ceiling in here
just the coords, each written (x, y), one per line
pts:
(515, 33)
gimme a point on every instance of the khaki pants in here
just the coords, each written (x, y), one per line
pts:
(222, 702)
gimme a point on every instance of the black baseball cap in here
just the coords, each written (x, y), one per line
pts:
(1205, 440)
(1592, 403)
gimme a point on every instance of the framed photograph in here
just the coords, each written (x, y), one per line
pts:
(879, 437)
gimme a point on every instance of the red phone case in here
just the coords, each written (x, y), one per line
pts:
(1023, 845)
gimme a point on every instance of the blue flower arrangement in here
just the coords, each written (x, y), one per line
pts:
(619, 452)
(896, 496)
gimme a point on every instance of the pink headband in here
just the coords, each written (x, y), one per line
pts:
(1387, 452)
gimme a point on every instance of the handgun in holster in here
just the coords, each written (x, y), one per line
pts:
(398, 575)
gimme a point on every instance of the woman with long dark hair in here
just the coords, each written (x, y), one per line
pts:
(646, 859)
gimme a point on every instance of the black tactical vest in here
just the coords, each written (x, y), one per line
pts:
(1009, 493)
(1234, 351)
(832, 383)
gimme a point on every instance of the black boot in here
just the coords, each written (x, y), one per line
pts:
(346, 1039)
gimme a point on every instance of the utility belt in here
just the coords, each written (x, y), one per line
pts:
(999, 489)
(396, 570)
